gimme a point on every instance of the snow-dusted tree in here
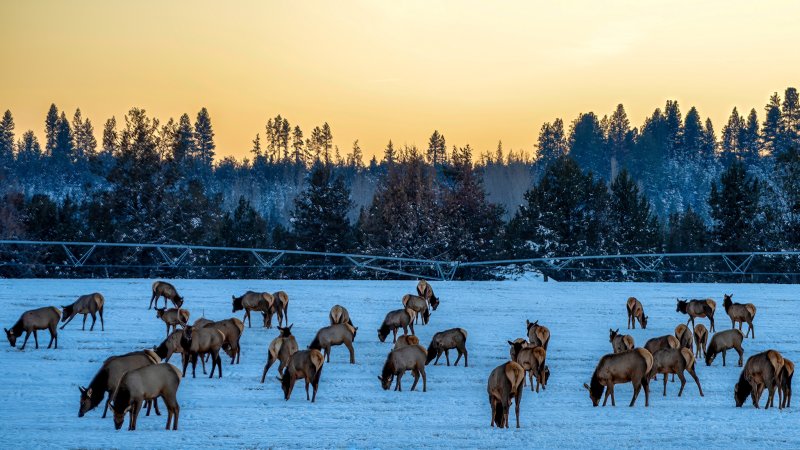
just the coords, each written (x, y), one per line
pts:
(552, 143)
(320, 216)
(204, 140)
(6, 138)
(437, 149)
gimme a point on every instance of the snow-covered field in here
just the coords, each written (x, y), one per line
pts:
(40, 387)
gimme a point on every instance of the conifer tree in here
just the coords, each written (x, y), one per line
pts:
(552, 142)
(771, 129)
(735, 206)
(320, 220)
(634, 228)
(6, 138)
(204, 140)
(588, 146)
(297, 147)
(51, 128)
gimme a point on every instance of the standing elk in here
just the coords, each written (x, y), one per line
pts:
(401, 318)
(697, 308)
(533, 360)
(144, 384)
(172, 345)
(199, 341)
(505, 383)
(280, 307)
(30, 322)
(173, 317)
(700, 340)
(232, 329)
(684, 336)
(516, 345)
(339, 314)
(538, 335)
(741, 313)
(85, 304)
(443, 341)
(254, 301)
(405, 341)
(675, 361)
(166, 290)
(722, 342)
(633, 367)
(304, 364)
(425, 291)
(327, 337)
(108, 377)
(620, 342)
(280, 349)
(658, 343)
(636, 312)
(420, 307)
(399, 361)
(761, 371)
(785, 391)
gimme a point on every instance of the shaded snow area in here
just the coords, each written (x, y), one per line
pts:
(40, 387)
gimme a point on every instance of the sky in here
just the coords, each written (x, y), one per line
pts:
(478, 72)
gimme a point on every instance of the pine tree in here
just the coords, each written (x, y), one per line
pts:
(437, 148)
(63, 151)
(790, 120)
(749, 138)
(693, 135)
(51, 128)
(326, 141)
(708, 146)
(356, 158)
(619, 135)
(634, 228)
(320, 217)
(498, 154)
(674, 125)
(184, 148)
(731, 137)
(110, 137)
(6, 138)
(297, 147)
(787, 168)
(735, 206)
(771, 129)
(552, 142)
(204, 140)
(588, 146)
(389, 154)
(28, 149)
(686, 233)
(285, 133)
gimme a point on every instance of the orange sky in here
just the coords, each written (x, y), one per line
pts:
(380, 70)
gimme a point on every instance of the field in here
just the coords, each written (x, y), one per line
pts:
(40, 387)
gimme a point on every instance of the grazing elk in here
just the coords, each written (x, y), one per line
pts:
(399, 361)
(172, 345)
(327, 337)
(761, 371)
(199, 341)
(722, 342)
(173, 317)
(697, 308)
(202, 322)
(232, 329)
(166, 290)
(620, 342)
(443, 341)
(254, 301)
(505, 383)
(281, 307)
(684, 336)
(280, 349)
(538, 335)
(85, 304)
(741, 313)
(657, 343)
(401, 318)
(425, 291)
(636, 312)
(633, 366)
(533, 360)
(339, 314)
(405, 341)
(31, 321)
(143, 384)
(675, 361)
(419, 305)
(785, 391)
(700, 340)
(109, 376)
(305, 364)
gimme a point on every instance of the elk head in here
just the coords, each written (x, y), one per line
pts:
(85, 402)
(12, 338)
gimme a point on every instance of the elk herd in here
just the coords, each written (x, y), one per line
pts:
(133, 381)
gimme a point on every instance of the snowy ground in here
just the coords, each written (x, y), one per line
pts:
(40, 387)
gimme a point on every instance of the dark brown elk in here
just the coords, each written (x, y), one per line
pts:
(698, 308)
(516, 345)
(785, 391)
(684, 336)
(742, 313)
(761, 371)
(280, 349)
(538, 335)
(91, 304)
(722, 342)
(339, 314)
(657, 343)
(533, 360)
(109, 376)
(425, 291)
(166, 290)
(254, 301)
(405, 341)
(173, 317)
(401, 360)
(401, 318)
(700, 340)
(505, 384)
(196, 342)
(636, 312)
(144, 384)
(281, 307)
(675, 361)
(304, 364)
(443, 341)
(620, 342)
(339, 334)
(32, 321)
(633, 367)
(232, 329)
(419, 305)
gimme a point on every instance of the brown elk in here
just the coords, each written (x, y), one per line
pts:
(166, 290)
(281, 307)
(419, 305)
(339, 314)
(516, 345)
(505, 384)
(700, 340)
(405, 341)
(401, 318)
(538, 335)
(620, 342)
(280, 349)
(173, 317)
(109, 376)
(143, 384)
(202, 322)
(339, 334)
(684, 336)
(425, 291)
(761, 371)
(675, 361)
(254, 301)
(85, 304)
(31, 321)
(739, 312)
(533, 360)
(443, 341)
(657, 343)
(697, 308)
(722, 342)
(628, 367)
(401, 360)
(636, 312)
(785, 391)
(199, 341)
(304, 364)
(232, 329)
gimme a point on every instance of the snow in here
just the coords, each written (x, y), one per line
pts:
(40, 388)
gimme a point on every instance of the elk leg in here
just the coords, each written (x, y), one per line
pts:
(149, 404)
(424, 379)
(636, 388)
(219, 366)
(741, 354)
(270, 362)
(447, 356)
(665, 385)
(438, 355)
(751, 329)
(411, 325)
(52, 335)
(155, 405)
(415, 372)
(352, 351)
(36, 338)
(517, 399)
(530, 378)
(756, 393)
(605, 398)
(83, 327)
(683, 382)
(394, 335)
(308, 397)
(194, 365)
(203, 363)
(493, 404)
(176, 412)
(328, 353)
(137, 406)
(315, 384)
(466, 356)
(696, 380)
(399, 386)
(458, 358)
(723, 357)
(94, 320)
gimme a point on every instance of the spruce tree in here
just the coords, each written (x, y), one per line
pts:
(735, 207)
(436, 149)
(633, 226)
(731, 137)
(749, 138)
(587, 145)
(63, 150)
(51, 129)
(790, 120)
(552, 143)
(6, 138)
(771, 129)
(619, 135)
(297, 147)
(693, 135)
(204, 140)
(320, 216)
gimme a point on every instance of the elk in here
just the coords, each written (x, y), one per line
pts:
(166, 290)
(281, 307)
(280, 349)
(684, 336)
(700, 339)
(341, 333)
(675, 361)
(420, 307)
(516, 345)
(636, 312)
(620, 342)
(232, 329)
(199, 341)
(172, 345)
(538, 335)
(305, 364)
(339, 314)
(657, 343)
(143, 384)
(425, 291)
(404, 341)
(31, 321)
(254, 301)
(202, 322)
(533, 360)
(399, 361)
(505, 383)
(761, 371)
(443, 341)
(741, 313)
(109, 376)
(785, 391)
(85, 304)
(401, 318)
(697, 308)
(633, 366)
(722, 342)
(173, 317)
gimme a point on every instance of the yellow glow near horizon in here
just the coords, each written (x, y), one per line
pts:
(379, 70)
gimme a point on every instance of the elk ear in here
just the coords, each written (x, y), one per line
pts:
(380, 378)
(279, 378)
(82, 389)
(510, 343)
(527, 322)
(586, 386)
(290, 327)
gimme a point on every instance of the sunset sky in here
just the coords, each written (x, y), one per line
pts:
(379, 70)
